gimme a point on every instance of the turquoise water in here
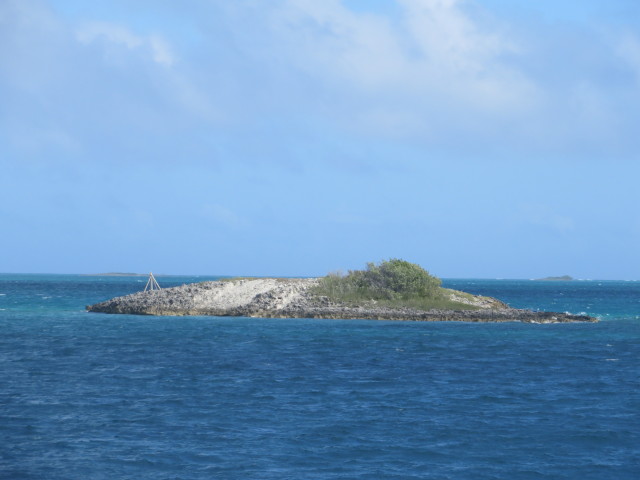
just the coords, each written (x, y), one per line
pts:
(99, 396)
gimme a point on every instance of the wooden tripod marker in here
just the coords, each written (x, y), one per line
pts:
(152, 284)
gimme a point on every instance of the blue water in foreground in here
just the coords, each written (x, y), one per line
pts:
(94, 396)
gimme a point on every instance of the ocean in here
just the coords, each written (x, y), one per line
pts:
(95, 396)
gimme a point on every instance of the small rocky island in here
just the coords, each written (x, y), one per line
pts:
(391, 290)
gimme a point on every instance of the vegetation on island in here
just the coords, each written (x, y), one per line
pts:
(391, 283)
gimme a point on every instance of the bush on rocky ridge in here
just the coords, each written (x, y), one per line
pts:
(392, 279)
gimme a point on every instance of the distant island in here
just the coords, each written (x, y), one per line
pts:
(564, 278)
(391, 290)
(117, 274)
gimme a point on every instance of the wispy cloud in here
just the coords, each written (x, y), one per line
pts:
(629, 50)
(157, 47)
(444, 75)
(455, 78)
(434, 58)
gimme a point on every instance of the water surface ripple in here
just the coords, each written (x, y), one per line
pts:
(102, 397)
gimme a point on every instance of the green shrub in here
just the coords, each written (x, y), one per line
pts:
(393, 279)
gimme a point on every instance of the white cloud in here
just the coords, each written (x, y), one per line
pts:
(629, 50)
(158, 48)
(434, 48)
(162, 52)
(434, 69)
(78, 91)
(433, 73)
(113, 33)
(458, 57)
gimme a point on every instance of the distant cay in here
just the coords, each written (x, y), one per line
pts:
(563, 278)
(118, 274)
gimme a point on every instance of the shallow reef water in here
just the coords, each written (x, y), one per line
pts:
(116, 396)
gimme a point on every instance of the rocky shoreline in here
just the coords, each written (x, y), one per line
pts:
(291, 298)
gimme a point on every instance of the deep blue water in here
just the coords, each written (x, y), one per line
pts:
(125, 397)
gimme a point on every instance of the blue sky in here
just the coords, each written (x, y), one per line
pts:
(478, 138)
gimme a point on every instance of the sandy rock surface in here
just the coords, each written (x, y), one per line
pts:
(229, 297)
